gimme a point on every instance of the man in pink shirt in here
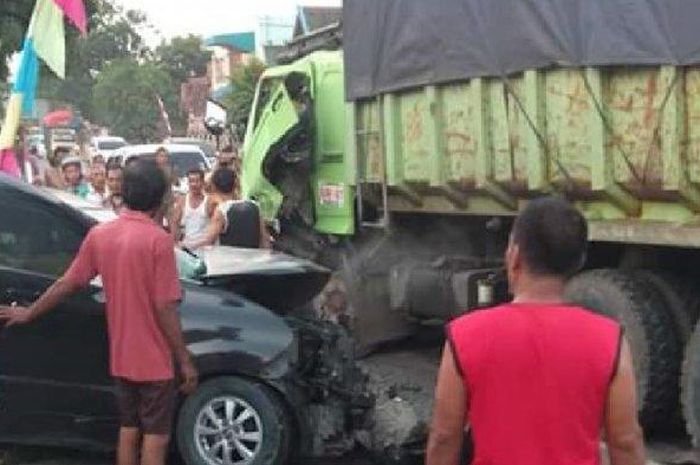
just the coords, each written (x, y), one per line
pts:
(135, 258)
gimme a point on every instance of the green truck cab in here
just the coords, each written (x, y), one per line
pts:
(298, 140)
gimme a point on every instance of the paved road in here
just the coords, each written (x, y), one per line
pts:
(660, 454)
(43, 456)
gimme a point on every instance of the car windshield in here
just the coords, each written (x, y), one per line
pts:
(110, 144)
(182, 161)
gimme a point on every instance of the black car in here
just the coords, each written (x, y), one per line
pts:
(272, 384)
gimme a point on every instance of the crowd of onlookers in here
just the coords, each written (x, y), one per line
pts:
(202, 216)
(98, 182)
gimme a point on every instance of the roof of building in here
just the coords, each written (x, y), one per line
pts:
(311, 18)
(241, 41)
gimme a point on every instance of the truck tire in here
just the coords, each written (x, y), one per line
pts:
(258, 425)
(690, 387)
(656, 351)
(682, 300)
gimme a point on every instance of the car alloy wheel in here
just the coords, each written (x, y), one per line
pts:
(228, 431)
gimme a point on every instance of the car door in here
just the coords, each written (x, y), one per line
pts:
(54, 377)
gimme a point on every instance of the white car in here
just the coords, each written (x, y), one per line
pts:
(183, 158)
(106, 146)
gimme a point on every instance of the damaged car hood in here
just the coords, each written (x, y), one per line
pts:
(275, 280)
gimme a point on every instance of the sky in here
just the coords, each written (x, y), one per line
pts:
(207, 17)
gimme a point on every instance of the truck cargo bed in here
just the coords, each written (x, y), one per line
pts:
(621, 141)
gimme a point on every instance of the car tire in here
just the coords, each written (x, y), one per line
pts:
(650, 331)
(205, 430)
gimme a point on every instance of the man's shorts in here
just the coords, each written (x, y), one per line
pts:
(149, 406)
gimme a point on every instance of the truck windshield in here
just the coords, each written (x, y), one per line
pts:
(265, 89)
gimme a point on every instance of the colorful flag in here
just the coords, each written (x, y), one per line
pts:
(49, 37)
(75, 12)
(27, 77)
(46, 40)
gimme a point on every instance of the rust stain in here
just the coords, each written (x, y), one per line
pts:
(650, 94)
(458, 144)
(577, 99)
(375, 165)
(414, 124)
(514, 141)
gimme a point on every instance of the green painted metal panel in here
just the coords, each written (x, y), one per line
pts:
(333, 194)
(621, 141)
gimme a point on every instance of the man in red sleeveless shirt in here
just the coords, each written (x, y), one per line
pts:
(537, 380)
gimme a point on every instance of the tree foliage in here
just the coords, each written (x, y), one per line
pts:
(114, 45)
(14, 20)
(239, 101)
(125, 99)
(183, 57)
(114, 34)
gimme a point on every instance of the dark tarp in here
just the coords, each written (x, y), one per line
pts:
(397, 44)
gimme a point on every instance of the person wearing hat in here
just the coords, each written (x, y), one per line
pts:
(72, 170)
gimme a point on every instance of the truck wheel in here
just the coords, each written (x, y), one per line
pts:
(690, 387)
(682, 300)
(232, 421)
(641, 310)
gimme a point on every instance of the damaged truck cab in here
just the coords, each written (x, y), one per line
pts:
(294, 162)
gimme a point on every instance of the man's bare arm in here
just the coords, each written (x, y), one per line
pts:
(175, 228)
(169, 323)
(216, 227)
(265, 239)
(447, 428)
(54, 295)
(623, 433)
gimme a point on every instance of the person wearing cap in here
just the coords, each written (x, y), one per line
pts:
(72, 170)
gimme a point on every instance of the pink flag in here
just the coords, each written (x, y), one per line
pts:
(8, 163)
(75, 11)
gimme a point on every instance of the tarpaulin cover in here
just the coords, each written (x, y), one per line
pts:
(397, 44)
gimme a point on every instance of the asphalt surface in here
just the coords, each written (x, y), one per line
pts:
(46, 456)
(664, 453)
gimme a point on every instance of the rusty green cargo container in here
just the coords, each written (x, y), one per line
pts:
(623, 142)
